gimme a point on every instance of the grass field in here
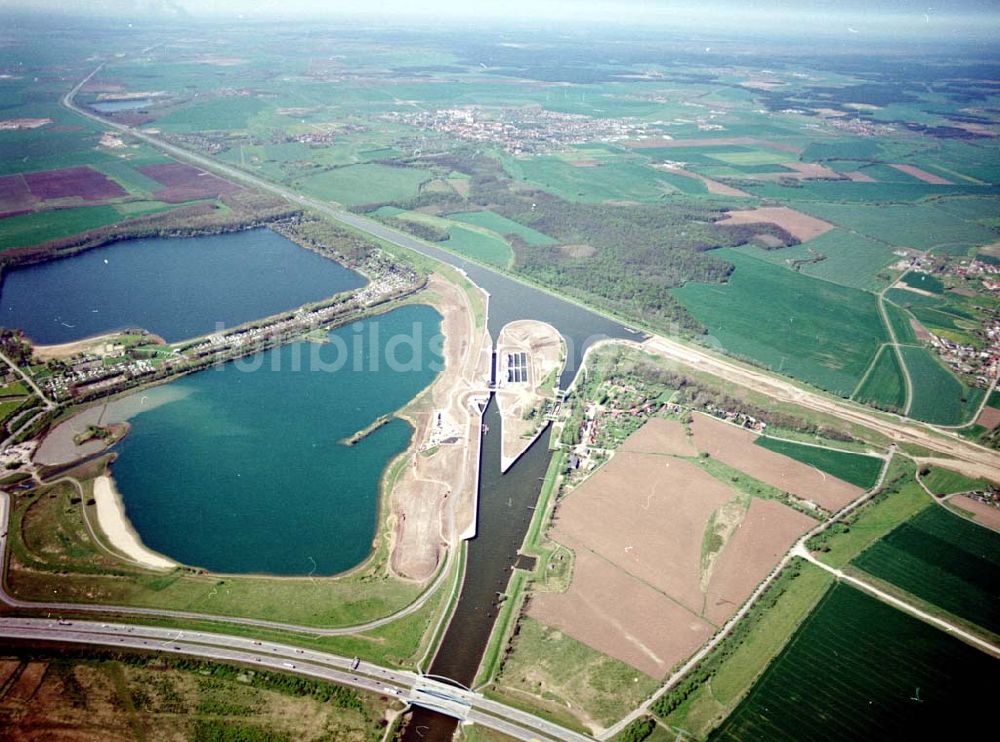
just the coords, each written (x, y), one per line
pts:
(849, 259)
(920, 226)
(615, 181)
(485, 247)
(365, 184)
(924, 282)
(900, 320)
(502, 226)
(946, 482)
(31, 229)
(213, 115)
(851, 467)
(884, 387)
(831, 680)
(564, 672)
(814, 330)
(938, 397)
(943, 559)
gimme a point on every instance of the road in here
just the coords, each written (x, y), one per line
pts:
(408, 687)
(49, 404)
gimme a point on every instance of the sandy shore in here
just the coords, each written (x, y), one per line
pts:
(112, 521)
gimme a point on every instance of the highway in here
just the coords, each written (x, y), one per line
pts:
(408, 687)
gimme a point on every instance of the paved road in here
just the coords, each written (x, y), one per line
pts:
(408, 687)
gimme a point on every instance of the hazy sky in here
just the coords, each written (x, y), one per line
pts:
(922, 16)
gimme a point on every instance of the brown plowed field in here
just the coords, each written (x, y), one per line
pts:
(988, 515)
(642, 590)
(646, 514)
(660, 436)
(802, 226)
(186, 183)
(622, 617)
(79, 182)
(859, 177)
(989, 417)
(713, 186)
(768, 531)
(15, 198)
(735, 446)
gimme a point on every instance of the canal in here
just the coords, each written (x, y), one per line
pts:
(505, 500)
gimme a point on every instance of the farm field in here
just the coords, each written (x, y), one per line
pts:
(884, 388)
(30, 229)
(828, 333)
(943, 481)
(943, 559)
(922, 226)
(683, 547)
(479, 245)
(737, 447)
(502, 226)
(859, 470)
(364, 184)
(830, 681)
(850, 259)
(624, 180)
(938, 397)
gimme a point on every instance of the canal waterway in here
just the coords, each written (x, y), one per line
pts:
(505, 500)
(177, 288)
(244, 468)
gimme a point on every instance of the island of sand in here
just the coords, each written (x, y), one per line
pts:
(530, 358)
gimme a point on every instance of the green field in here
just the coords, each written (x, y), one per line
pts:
(946, 482)
(943, 559)
(814, 330)
(924, 282)
(31, 229)
(626, 180)
(365, 184)
(831, 682)
(900, 320)
(857, 469)
(485, 247)
(502, 226)
(884, 387)
(938, 397)
(849, 259)
(213, 115)
(752, 157)
(920, 226)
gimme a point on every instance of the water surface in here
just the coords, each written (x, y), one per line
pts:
(177, 288)
(243, 470)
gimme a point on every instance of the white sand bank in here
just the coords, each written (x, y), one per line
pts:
(112, 521)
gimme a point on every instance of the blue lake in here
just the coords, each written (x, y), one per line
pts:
(240, 469)
(176, 288)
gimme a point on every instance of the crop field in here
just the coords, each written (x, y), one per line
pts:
(185, 183)
(502, 226)
(634, 584)
(367, 183)
(824, 193)
(884, 387)
(830, 681)
(213, 115)
(737, 447)
(30, 229)
(943, 559)
(858, 469)
(921, 226)
(486, 247)
(900, 320)
(616, 181)
(814, 330)
(943, 481)
(924, 282)
(849, 259)
(752, 157)
(938, 397)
